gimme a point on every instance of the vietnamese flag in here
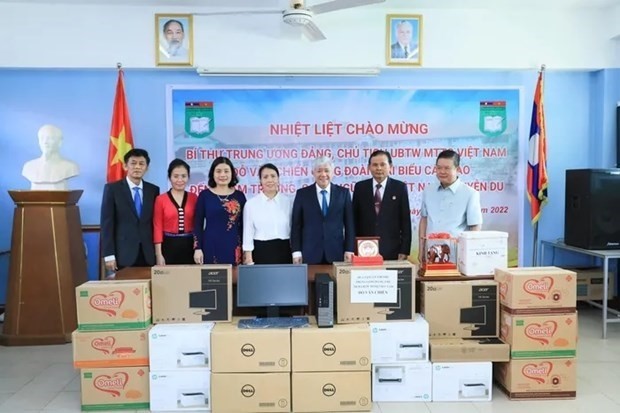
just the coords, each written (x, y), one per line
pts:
(121, 139)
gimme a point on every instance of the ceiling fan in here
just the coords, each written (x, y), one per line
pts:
(300, 16)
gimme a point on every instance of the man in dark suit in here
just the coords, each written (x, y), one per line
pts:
(322, 229)
(127, 216)
(381, 208)
(403, 48)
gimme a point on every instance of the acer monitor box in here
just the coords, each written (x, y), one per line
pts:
(460, 309)
(271, 287)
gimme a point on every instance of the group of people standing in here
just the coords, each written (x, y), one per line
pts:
(141, 227)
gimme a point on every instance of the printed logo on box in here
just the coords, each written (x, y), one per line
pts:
(111, 384)
(248, 390)
(247, 350)
(329, 390)
(108, 303)
(541, 332)
(105, 344)
(541, 288)
(537, 372)
(329, 349)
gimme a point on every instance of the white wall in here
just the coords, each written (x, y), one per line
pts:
(99, 36)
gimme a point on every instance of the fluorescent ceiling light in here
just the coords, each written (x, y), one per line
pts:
(326, 71)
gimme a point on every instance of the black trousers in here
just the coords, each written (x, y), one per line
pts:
(275, 251)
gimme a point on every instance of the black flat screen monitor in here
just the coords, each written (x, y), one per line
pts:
(474, 315)
(203, 299)
(272, 286)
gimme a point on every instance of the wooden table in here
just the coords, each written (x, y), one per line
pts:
(144, 273)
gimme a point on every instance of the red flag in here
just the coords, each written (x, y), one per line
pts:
(537, 180)
(121, 139)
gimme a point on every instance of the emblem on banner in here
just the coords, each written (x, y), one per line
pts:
(492, 118)
(199, 119)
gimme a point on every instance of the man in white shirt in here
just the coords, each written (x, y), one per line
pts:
(450, 206)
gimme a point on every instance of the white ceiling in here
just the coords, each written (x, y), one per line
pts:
(409, 4)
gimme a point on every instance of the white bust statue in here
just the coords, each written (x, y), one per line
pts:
(51, 171)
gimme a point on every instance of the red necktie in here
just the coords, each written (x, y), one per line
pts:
(378, 199)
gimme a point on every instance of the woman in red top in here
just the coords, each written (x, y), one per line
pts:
(173, 219)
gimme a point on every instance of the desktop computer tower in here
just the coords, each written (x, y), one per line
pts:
(325, 299)
(592, 209)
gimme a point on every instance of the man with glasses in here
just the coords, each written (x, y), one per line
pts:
(450, 206)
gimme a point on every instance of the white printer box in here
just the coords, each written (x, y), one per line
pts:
(180, 346)
(481, 252)
(399, 341)
(180, 390)
(405, 382)
(454, 382)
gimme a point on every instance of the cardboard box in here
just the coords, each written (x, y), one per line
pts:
(456, 309)
(374, 309)
(113, 305)
(93, 349)
(180, 390)
(236, 350)
(469, 349)
(192, 293)
(251, 392)
(331, 392)
(457, 382)
(180, 346)
(344, 347)
(537, 290)
(538, 379)
(540, 336)
(118, 388)
(406, 382)
(480, 252)
(590, 284)
(400, 342)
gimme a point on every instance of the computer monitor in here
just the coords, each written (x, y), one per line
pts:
(272, 286)
(474, 315)
(204, 300)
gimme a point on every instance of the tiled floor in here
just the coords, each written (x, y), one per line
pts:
(42, 379)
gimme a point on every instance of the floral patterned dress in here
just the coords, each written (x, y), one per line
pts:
(218, 226)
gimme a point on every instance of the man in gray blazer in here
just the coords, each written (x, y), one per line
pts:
(127, 216)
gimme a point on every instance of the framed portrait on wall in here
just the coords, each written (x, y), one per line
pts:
(174, 42)
(403, 40)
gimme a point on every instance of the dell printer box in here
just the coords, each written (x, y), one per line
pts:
(191, 293)
(456, 309)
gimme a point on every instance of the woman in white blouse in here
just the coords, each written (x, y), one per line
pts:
(267, 222)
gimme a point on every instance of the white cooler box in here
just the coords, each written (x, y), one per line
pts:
(481, 252)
